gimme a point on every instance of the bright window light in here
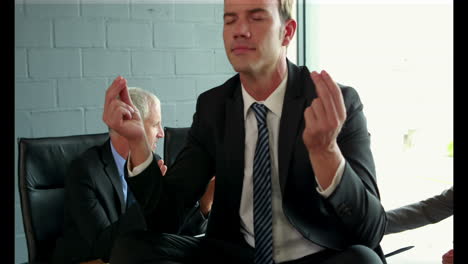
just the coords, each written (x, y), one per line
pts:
(399, 57)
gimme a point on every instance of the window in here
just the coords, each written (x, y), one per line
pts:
(398, 55)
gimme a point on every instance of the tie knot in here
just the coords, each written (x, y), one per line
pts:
(260, 111)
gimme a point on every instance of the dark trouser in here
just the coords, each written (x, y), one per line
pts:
(143, 247)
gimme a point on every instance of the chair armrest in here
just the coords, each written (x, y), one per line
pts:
(398, 251)
(96, 261)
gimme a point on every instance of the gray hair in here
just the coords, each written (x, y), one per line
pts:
(143, 100)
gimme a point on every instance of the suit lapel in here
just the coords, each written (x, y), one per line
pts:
(234, 141)
(295, 100)
(112, 173)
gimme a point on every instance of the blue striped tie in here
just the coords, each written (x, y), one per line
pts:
(262, 191)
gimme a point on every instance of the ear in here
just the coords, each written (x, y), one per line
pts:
(289, 31)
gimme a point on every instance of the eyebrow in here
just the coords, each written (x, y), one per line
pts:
(257, 10)
(251, 11)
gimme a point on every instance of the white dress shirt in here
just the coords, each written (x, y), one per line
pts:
(288, 242)
(120, 163)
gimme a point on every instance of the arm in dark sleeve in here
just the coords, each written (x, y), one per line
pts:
(356, 199)
(429, 211)
(195, 222)
(166, 199)
(89, 215)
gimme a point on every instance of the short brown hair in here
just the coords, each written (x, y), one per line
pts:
(285, 9)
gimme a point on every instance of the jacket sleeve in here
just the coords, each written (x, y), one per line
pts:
(356, 199)
(166, 199)
(429, 211)
(195, 222)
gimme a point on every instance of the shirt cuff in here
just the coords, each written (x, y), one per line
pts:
(336, 180)
(138, 169)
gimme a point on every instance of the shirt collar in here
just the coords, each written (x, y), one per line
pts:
(274, 102)
(119, 160)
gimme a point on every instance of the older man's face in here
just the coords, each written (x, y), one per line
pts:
(153, 125)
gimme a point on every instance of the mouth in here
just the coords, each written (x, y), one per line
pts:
(239, 50)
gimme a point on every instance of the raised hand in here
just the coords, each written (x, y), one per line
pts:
(207, 199)
(323, 121)
(122, 116)
(119, 112)
(325, 116)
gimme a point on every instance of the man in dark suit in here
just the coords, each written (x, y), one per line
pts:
(98, 205)
(295, 177)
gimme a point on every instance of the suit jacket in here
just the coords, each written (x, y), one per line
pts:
(352, 215)
(95, 209)
(429, 211)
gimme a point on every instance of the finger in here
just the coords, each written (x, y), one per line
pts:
(160, 163)
(121, 113)
(320, 85)
(325, 96)
(163, 170)
(162, 167)
(119, 104)
(126, 115)
(319, 109)
(119, 109)
(124, 95)
(309, 116)
(113, 91)
(336, 95)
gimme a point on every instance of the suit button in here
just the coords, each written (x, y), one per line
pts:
(347, 212)
(344, 210)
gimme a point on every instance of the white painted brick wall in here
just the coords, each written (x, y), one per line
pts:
(156, 11)
(195, 62)
(33, 32)
(80, 32)
(52, 9)
(54, 63)
(93, 121)
(129, 34)
(21, 70)
(152, 62)
(104, 62)
(36, 95)
(174, 35)
(119, 11)
(81, 92)
(54, 123)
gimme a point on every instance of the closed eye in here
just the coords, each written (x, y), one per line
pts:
(229, 18)
(258, 14)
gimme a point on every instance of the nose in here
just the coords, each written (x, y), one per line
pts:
(241, 29)
(160, 133)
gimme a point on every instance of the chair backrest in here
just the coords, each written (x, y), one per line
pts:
(42, 165)
(174, 141)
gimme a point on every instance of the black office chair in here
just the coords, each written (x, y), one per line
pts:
(42, 166)
(174, 141)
